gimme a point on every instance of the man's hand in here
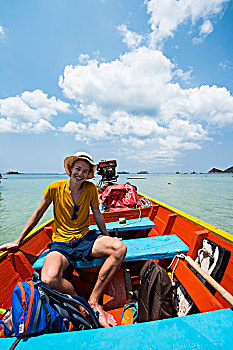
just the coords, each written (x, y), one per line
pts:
(31, 223)
(12, 245)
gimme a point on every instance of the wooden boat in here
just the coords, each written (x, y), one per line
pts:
(159, 232)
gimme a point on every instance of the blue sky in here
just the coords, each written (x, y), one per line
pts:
(148, 83)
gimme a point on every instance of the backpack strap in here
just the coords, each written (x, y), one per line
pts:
(30, 305)
(42, 297)
(16, 342)
(41, 302)
(24, 304)
(23, 327)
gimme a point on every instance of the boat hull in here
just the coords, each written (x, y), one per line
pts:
(212, 328)
(202, 331)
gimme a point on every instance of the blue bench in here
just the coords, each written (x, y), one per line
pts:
(132, 224)
(137, 249)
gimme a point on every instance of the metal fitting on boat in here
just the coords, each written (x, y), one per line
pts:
(122, 220)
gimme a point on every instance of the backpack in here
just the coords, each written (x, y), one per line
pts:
(155, 293)
(120, 196)
(38, 309)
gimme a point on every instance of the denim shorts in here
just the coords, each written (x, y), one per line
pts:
(77, 249)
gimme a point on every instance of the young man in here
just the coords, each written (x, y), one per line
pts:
(71, 238)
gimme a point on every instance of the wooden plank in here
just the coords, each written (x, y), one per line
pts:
(201, 331)
(132, 224)
(138, 249)
(146, 248)
(196, 242)
(169, 224)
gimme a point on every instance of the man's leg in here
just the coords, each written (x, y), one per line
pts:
(116, 251)
(52, 273)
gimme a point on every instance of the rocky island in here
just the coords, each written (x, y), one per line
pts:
(218, 171)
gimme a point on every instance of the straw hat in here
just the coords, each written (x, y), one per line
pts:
(69, 161)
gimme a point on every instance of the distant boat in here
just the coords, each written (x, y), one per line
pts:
(142, 172)
(123, 172)
(13, 172)
(136, 177)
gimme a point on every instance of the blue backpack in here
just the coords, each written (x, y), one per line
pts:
(38, 309)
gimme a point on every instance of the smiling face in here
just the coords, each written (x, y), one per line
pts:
(79, 171)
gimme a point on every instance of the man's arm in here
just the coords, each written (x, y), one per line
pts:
(99, 219)
(32, 222)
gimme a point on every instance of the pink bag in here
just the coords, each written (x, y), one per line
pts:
(120, 196)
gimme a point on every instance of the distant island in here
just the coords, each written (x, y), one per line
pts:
(218, 171)
(123, 172)
(142, 172)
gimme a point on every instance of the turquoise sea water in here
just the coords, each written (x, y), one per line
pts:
(207, 197)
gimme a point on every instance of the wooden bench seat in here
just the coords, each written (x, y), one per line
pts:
(131, 224)
(159, 247)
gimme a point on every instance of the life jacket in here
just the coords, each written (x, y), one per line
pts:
(120, 196)
(155, 293)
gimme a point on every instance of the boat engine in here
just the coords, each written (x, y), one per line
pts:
(107, 170)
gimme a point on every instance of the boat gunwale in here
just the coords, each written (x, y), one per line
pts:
(31, 234)
(227, 236)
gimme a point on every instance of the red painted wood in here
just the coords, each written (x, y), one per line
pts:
(8, 277)
(115, 294)
(20, 263)
(169, 224)
(153, 211)
(196, 242)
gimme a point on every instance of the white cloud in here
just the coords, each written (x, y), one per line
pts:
(185, 76)
(131, 39)
(43, 126)
(225, 65)
(207, 104)
(2, 33)
(134, 103)
(140, 83)
(29, 111)
(129, 83)
(167, 15)
(205, 29)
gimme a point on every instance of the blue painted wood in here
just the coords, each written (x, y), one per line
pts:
(132, 224)
(207, 331)
(139, 249)
(146, 248)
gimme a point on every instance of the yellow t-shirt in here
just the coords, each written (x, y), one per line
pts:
(66, 229)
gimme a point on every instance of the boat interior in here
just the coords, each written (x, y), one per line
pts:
(155, 232)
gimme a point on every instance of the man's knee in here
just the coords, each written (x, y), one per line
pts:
(49, 277)
(119, 249)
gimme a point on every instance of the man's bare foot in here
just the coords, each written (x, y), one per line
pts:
(105, 319)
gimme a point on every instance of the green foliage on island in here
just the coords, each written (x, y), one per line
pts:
(218, 171)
